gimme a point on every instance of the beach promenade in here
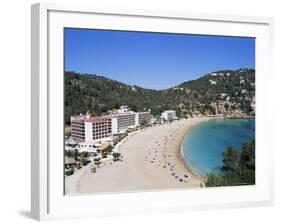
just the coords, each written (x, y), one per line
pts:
(150, 161)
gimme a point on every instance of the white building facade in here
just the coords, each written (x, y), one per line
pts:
(124, 120)
(143, 118)
(87, 128)
(168, 115)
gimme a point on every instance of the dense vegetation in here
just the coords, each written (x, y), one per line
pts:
(228, 92)
(238, 167)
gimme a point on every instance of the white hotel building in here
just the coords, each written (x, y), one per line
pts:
(168, 115)
(87, 128)
(129, 119)
(123, 121)
(143, 118)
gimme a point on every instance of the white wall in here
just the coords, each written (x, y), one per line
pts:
(137, 119)
(88, 131)
(114, 125)
(15, 104)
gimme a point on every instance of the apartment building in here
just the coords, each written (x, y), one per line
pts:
(126, 118)
(78, 127)
(143, 118)
(123, 121)
(85, 127)
(168, 115)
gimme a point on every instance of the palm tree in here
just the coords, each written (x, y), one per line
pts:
(116, 156)
(97, 162)
(76, 154)
(84, 158)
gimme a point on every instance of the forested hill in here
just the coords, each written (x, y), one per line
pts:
(227, 92)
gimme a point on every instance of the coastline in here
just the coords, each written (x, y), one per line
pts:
(181, 153)
(151, 160)
(180, 156)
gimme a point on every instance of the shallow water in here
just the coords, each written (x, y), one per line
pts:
(204, 144)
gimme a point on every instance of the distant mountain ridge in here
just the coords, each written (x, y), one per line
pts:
(227, 92)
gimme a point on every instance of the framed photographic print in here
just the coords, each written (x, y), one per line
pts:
(148, 111)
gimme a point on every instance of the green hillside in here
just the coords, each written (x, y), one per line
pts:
(228, 92)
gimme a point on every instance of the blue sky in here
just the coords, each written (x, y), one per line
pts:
(154, 60)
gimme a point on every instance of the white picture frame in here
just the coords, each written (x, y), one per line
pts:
(48, 201)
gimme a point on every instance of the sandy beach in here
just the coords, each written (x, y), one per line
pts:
(150, 160)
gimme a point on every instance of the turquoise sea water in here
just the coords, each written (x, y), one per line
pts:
(203, 145)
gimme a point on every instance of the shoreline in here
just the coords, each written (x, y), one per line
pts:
(181, 156)
(180, 149)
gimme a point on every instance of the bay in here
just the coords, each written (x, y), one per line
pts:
(204, 144)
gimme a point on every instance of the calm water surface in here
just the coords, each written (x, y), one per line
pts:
(203, 145)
